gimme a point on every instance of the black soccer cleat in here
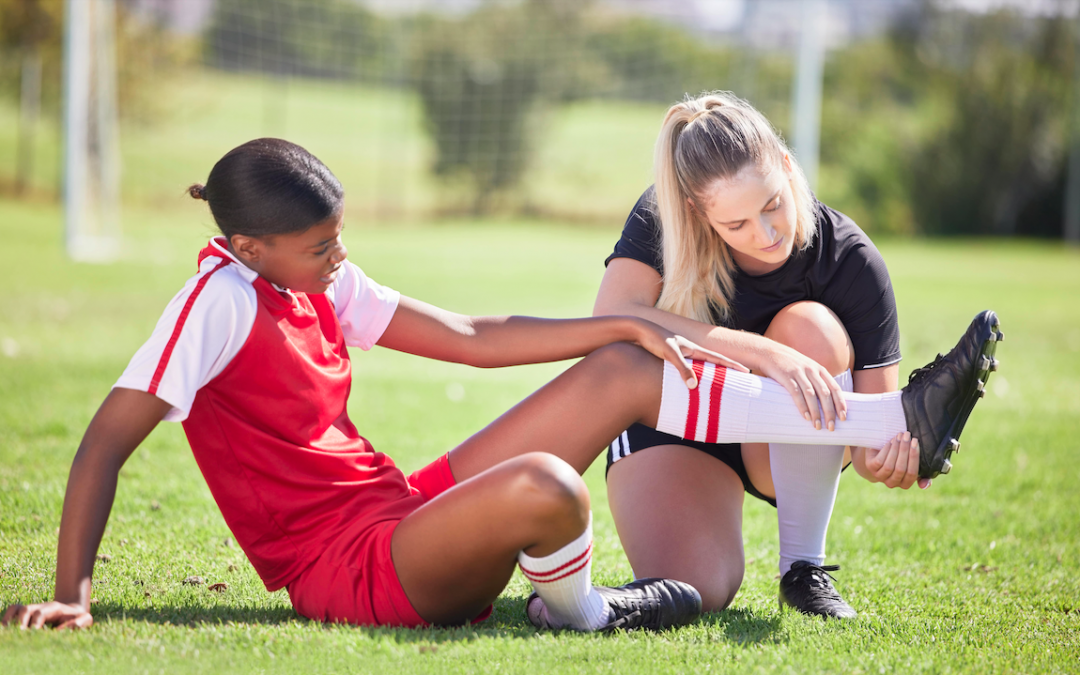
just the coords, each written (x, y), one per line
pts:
(939, 396)
(652, 604)
(808, 588)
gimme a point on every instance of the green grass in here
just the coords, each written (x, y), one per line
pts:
(977, 574)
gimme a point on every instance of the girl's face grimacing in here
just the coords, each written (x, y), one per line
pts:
(754, 213)
(305, 261)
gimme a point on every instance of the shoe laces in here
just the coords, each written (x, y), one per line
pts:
(919, 372)
(625, 621)
(817, 576)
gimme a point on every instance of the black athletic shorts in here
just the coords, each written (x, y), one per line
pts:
(640, 437)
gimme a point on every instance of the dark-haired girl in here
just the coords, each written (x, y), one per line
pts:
(251, 356)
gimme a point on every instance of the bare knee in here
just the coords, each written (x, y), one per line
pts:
(550, 492)
(719, 589)
(813, 329)
(624, 360)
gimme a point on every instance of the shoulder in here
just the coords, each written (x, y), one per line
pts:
(840, 240)
(220, 286)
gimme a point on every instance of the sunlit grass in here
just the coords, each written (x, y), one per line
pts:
(977, 574)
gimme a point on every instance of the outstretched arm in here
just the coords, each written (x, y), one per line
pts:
(496, 341)
(122, 422)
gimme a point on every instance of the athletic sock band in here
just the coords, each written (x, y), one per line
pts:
(733, 407)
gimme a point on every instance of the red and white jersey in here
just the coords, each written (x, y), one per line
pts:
(194, 341)
(261, 377)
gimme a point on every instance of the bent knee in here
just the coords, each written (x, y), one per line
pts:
(719, 589)
(816, 331)
(623, 358)
(550, 488)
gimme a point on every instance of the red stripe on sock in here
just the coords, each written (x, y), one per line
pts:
(563, 576)
(167, 354)
(695, 402)
(714, 403)
(536, 575)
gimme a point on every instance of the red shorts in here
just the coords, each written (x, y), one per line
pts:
(354, 581)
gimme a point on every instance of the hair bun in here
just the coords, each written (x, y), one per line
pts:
(197, 191)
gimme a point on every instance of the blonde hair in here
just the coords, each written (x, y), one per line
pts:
(704, 140)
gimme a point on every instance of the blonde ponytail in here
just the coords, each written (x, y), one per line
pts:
(703, 140)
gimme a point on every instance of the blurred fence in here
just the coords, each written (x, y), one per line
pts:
(934, 119)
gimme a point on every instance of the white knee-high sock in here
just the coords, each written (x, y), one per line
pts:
(563, 580)
(732, 407)
(806, 480)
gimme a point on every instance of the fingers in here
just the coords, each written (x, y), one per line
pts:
(84, 620)
(924, 483)
(39, 618)
(799, 398)
(673, 354)
(903, 454)
(825, 400)
(10, 613)
(810, 400)
(694, 351)
(912, 465)
(897, 464)
(39, 615)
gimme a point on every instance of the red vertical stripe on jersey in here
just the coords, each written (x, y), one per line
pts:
(695, 402)
(719, 372)
(165, 355)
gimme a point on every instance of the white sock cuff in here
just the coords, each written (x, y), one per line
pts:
(695, 414)
(568, 560)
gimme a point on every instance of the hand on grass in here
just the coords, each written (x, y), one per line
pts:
(895, 465)
(675, 349)
(59, 615)
(811, 386)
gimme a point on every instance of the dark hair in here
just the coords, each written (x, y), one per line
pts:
(269, 186)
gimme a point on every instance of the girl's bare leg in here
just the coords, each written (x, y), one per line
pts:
(455, 554)
(574, 416)
(690, 525)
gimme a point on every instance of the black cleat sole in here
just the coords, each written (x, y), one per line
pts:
(990, 335)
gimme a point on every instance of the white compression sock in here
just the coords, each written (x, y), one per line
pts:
(806, 480)
(732, 407)
(563, 580)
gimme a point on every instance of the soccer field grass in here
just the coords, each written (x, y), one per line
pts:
(977, 574)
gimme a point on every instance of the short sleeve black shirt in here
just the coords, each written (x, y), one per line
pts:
(841, 269)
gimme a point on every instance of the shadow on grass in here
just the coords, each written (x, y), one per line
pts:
(507, 620)
(742, 626)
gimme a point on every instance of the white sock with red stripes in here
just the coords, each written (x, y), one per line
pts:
(806, 480)
(732, 407)
(563, 580)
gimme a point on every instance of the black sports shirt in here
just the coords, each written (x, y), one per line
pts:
(841, 269)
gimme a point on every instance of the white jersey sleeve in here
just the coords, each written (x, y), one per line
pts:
(364, 308)
(202, 329)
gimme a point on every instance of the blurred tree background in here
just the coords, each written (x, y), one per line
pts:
(946, 121)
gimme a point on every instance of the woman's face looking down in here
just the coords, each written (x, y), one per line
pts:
(754, 213)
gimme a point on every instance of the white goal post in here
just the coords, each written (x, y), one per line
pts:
(91, 152)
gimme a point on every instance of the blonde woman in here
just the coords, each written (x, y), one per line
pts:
(731, 249)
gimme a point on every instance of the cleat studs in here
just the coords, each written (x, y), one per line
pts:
(981, 393)
(984, 363)
(980, 386)
(994, 365)
(1000, 336)
(946, 466)
(954, 446)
